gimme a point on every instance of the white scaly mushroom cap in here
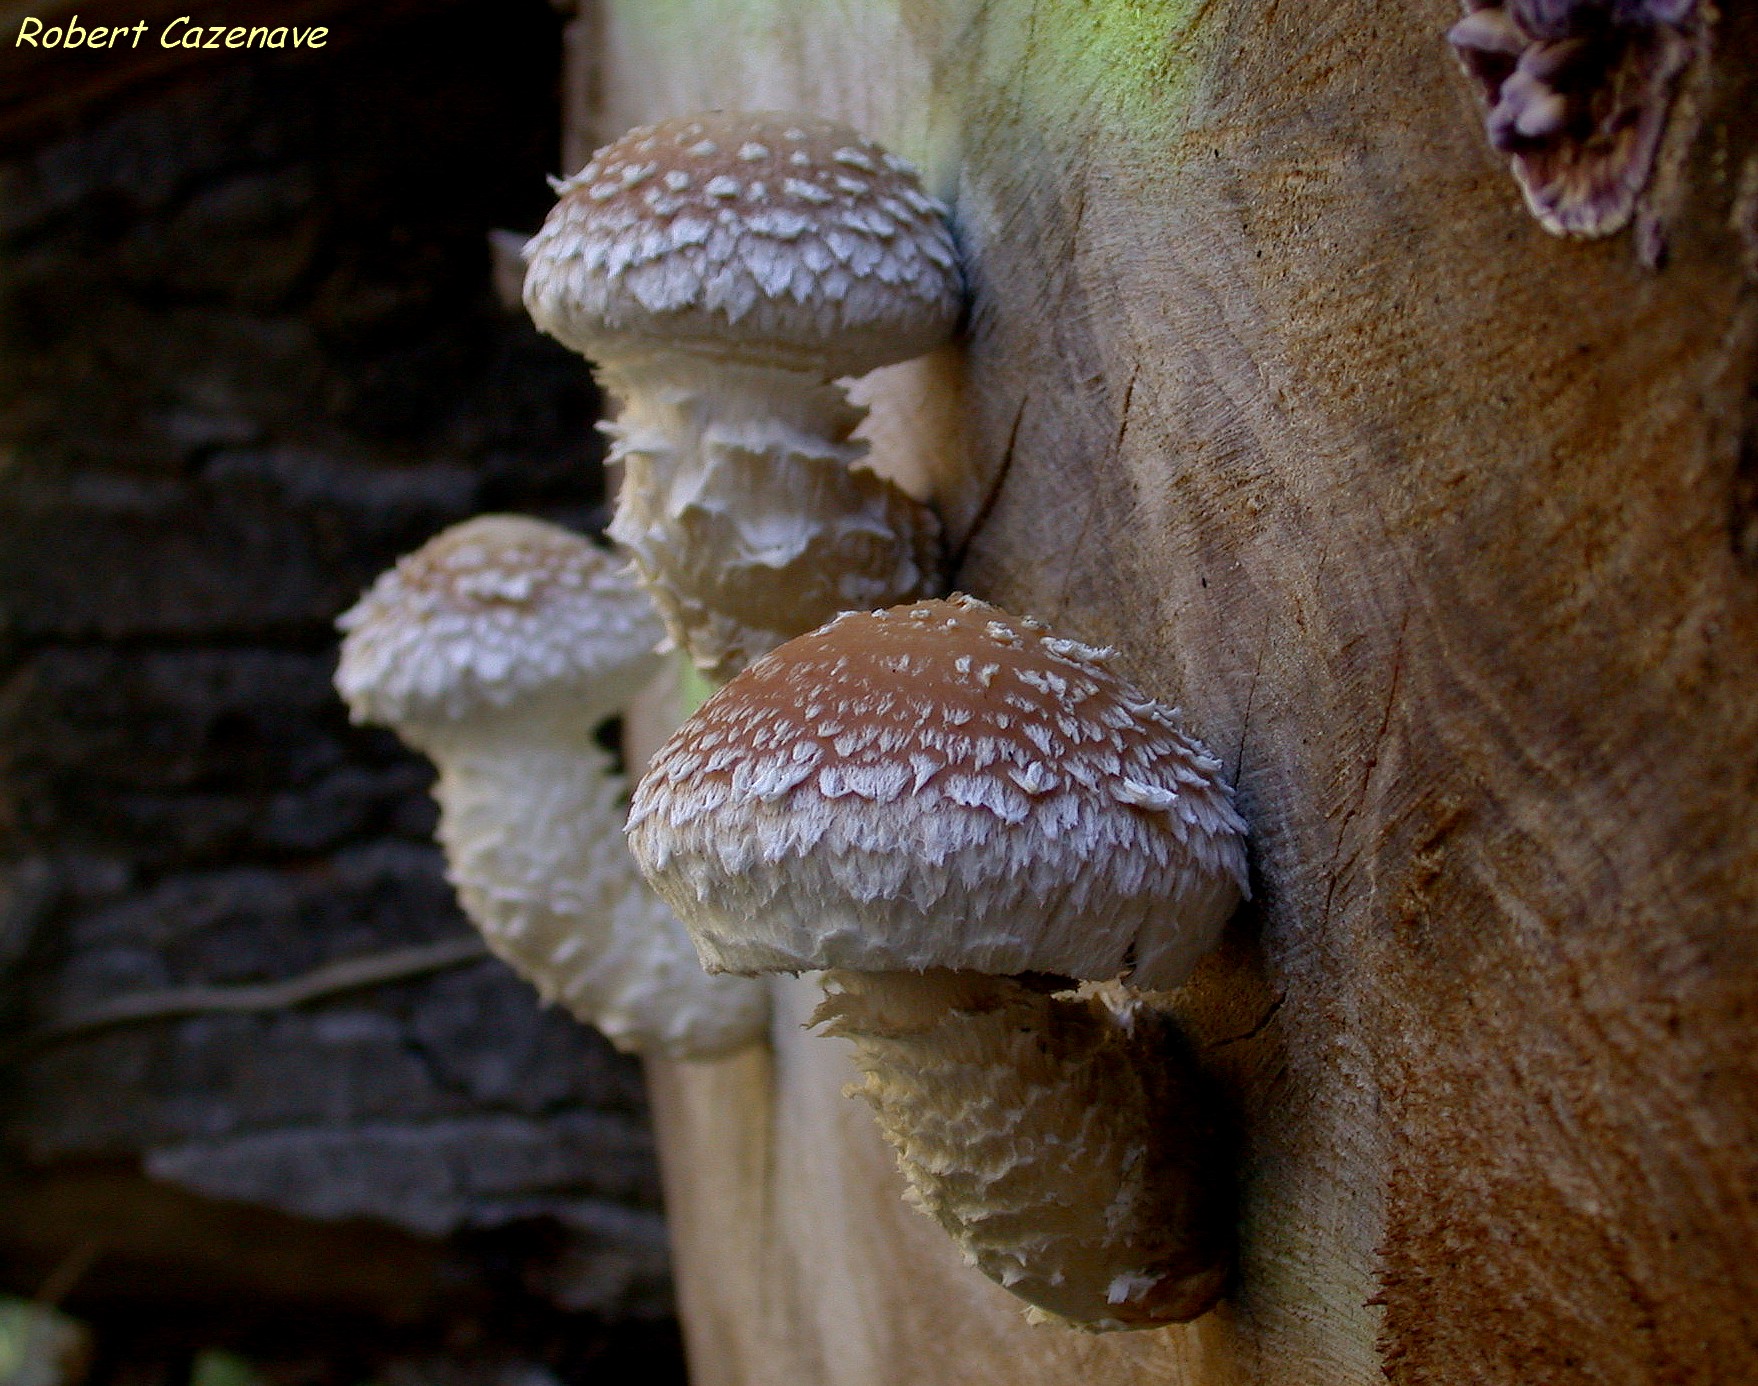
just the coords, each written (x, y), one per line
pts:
(490, 613)
(941, 785)
(497, 648)
(779, 239)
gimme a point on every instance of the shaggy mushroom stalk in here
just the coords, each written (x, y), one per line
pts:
(1071, 1150)
(498, 649)
(722, 271)
(959, 816)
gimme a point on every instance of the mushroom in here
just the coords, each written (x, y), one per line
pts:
(959, 814)
(723, 270)
(1578, 93)
(497, 649)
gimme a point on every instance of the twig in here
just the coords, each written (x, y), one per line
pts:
(1256, 1030)
(351, 974)
(68, 1273)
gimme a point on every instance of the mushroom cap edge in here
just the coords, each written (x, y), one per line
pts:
(979, 795)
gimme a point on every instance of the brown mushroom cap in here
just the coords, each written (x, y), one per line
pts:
(772, 238)
(940, 785)
(489, 613)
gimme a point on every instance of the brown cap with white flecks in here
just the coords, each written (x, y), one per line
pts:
(491, 612)
(769, 237)
(940, 785)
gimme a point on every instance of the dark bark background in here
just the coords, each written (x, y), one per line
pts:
(250, 352)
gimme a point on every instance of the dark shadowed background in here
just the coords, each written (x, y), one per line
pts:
(250, 352)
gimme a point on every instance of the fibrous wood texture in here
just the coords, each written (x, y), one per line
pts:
(1444, 531)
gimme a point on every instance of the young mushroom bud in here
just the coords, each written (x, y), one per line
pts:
(723, 270)
(957, 814)
(1578, 93)
(498, 649)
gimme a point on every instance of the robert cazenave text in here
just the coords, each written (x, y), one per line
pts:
(181, 32)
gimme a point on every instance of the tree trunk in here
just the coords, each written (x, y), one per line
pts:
(1443, 530)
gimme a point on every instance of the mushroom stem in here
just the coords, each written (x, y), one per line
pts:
(531, 824)
(498, 648)
(1068, 1148)
(740, 510)
(684, 400)
(722, 270)
(959, 813)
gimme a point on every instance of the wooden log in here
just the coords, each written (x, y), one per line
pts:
(1444, 531)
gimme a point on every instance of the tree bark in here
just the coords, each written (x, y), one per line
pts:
(1444, 532)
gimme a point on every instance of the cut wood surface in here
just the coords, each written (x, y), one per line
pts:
(1442, 530)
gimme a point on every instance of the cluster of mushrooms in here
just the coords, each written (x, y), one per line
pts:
(1577, 95)
(972, 827)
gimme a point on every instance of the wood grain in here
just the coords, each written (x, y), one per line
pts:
(1439, 529)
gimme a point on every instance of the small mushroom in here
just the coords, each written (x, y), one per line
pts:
(498, 649)
(1578, 93)
(959, 814)
(723, 270)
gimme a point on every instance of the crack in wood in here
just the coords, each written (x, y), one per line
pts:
(992, 496)
(1261, 1024)
(1123, 414)
(1263, 641)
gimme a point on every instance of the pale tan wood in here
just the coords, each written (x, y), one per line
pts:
(1442, 530)
(582, 87)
